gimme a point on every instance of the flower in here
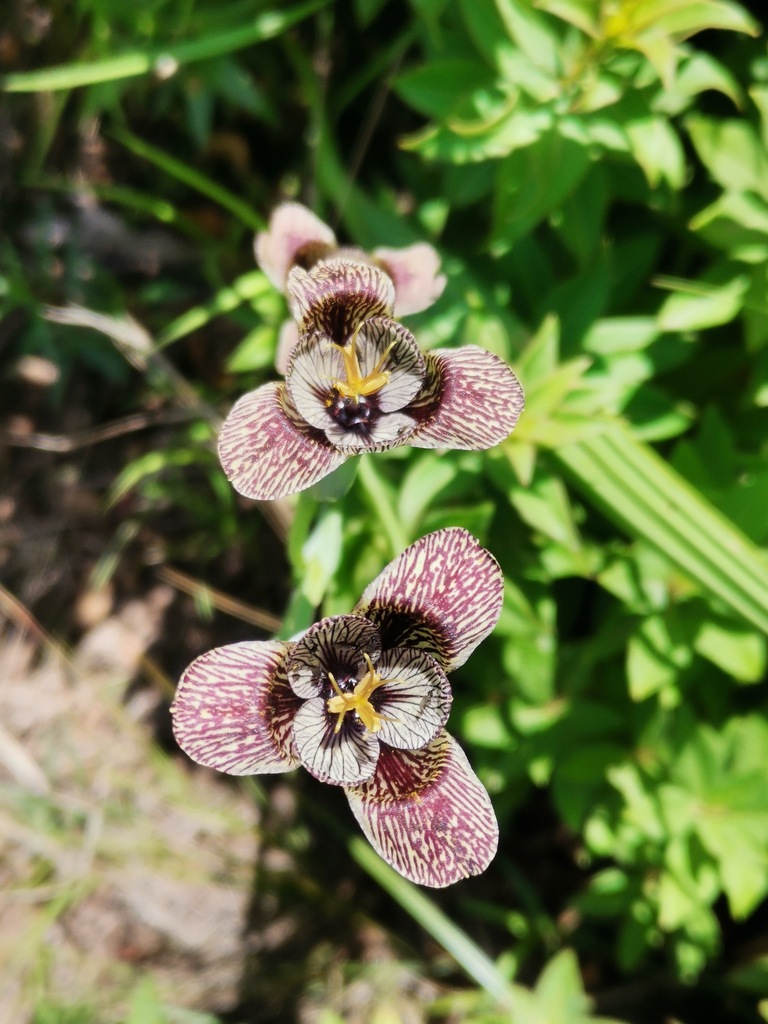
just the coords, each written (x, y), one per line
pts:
(297, 237)
(361, 701)
(357, 381)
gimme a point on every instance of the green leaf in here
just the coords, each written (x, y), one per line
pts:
(702, 305)
(686, 19)
(637, 489)
(583, 14)
(438, 88)
(738, 223)
(732, 153)
(533, 182)
(264, 26)
(656, 654)
(738, 651)
(657, 149)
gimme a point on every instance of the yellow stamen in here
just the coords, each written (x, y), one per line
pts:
(356, 385)
(359, 699)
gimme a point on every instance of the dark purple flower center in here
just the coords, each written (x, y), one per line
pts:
(355, 414)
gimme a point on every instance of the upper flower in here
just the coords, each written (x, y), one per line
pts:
(361, 701)
(357, 381)
(298, 238)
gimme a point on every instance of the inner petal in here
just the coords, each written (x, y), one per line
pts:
(390, 361)
(414, 702)
(344, 757)
(337, 295)
(336, 645)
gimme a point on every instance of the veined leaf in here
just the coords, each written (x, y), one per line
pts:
(637, 489)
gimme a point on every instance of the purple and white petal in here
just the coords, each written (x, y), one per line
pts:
(415, 271)
(342, 758)
(427, 814)
(414, 702)
(294, 235)
(286, 342)
(234, 709)
(382, 433)
(266, 450)
(334, 645)
(386, 346)
(443, 594)
(470, 400)
(337, 295)
(315, 364)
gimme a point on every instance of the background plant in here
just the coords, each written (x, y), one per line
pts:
(594, 176)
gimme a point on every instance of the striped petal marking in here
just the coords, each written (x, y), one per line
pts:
(334, 646)
(336, 296)
(443, 594)
(268, 452)
(234, 709)
(427, 814)
(471, 400)
(413, 699)
(344, 756)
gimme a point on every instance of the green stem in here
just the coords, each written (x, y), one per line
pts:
(380, 503)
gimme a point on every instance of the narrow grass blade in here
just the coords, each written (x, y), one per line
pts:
(469, 956)
(183, 172)
(140, 62)
(638, 490)
(246, 287)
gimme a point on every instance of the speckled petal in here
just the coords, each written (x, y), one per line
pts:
(386, 344)
(337, 295)
(427, 814)
(471, 400)
(417, 698)
(234, 709)
(443, 594)
(336, 644)
(266, 451)
(294, 235)
(415, 272)
(342, 758)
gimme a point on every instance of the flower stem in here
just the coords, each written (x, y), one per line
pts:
(378, 499)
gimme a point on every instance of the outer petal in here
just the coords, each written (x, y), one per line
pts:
(337, 295)
(336, 644)
(471, 400)
(416, 700)
(267, 452)
(234, 709)
(342, 758)
(416, 274)
(427, 814)
(442, 594)
(295, 235)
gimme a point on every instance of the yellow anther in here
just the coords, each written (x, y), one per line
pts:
(359, 699)
(357, 385)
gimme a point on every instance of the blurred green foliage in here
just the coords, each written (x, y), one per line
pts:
(595, 175)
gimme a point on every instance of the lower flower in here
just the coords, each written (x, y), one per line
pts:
(361, 701)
